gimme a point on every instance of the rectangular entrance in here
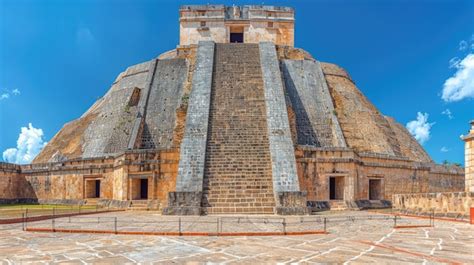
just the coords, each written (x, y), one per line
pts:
(336, 188)
(375, 189)
(236, 35)
(92, 188)
(97, 188)
(144, 189)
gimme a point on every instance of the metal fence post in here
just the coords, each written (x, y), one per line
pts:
(325, 224)
(284, 226)
(53, 224)
(433, 215)
(217, 225)
(115, 225)
(394, 221)
(26, 218)
(23, 223)
(179, 226)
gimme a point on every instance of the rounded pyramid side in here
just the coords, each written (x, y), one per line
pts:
(364, 127)
(105, 127)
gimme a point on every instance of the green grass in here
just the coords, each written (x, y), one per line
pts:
(42, 206)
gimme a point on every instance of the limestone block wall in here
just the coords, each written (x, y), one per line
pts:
(316, 121)
(444, 203)
(164, 100)
(469, 159)
(193, 146)
(109, 133)
(13, 184)
(365, 129)
(216, 22)
(284, 173)
(191, 32)
(397, 175)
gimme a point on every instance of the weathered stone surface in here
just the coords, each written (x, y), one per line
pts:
(184, 203)
(281, 147)
(440, 203)
(316, 121)
(238, 172)
(469, 159)
(212, 23)
(193, 146)
(164, 100)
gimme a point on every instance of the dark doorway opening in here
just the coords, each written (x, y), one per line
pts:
(143, 188)
(336, 188)
(97, 189)
(375, 189)
(332, 188)
(236, 37)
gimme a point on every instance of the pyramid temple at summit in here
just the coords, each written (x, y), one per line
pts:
(235, 119)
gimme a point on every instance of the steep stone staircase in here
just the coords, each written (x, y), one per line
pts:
(238, 173)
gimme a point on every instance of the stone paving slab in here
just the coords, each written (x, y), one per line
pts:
(369, 241)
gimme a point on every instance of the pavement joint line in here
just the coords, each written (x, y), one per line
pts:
(413, 253)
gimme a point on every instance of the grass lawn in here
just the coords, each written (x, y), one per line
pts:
(42, 206)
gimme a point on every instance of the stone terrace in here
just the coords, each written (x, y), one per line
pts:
(349, 241)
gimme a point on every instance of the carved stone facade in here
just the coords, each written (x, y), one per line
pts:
(225, 24)
(218, 127)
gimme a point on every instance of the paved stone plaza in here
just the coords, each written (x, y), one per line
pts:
(358, 241)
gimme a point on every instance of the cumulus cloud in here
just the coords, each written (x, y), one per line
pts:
(4, 96)
(448, 113)
(444, 149)
(16, 92)
(461, 84)
(420, 128)
(29, 144)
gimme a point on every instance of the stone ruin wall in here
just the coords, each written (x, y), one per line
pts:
(316, 165)
(64, 182)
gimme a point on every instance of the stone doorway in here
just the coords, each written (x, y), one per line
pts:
(375, 189)
(139, 188)
(336, 188)
(144, 189)
(92, 188)
(236, 35)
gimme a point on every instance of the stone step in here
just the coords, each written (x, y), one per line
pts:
(240, 210)
(238, 161)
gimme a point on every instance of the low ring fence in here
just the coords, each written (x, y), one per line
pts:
(21, 215)
(218, 226)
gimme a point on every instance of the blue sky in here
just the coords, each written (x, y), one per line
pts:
(58, 57)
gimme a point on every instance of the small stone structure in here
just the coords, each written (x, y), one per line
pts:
(225, 24)
(234, 120)
(469, 161)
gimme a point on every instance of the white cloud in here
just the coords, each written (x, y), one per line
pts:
(6, 93)
(444, 149)
(448, 113)
(463, 45)
(454, 62)
(16, 92)
(420, 128)
(29, 144)
(461, 84)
